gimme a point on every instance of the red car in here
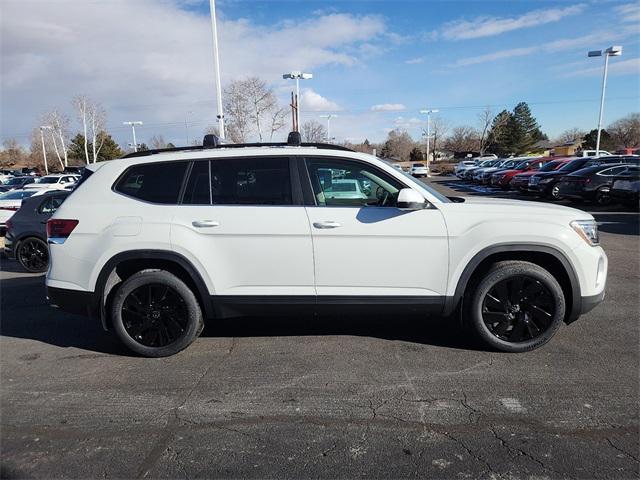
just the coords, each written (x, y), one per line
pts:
(521, 180)
(503, 178)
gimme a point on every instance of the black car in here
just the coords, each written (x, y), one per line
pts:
(16, 183)
(26, 237)
(594, 183)
(626, 189)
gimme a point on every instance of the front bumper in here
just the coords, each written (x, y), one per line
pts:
(589, 303)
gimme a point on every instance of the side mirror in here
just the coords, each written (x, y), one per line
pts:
(410, 199)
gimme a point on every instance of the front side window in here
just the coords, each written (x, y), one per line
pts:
(153, 182)
(609, 172)
(251, 181)
(198, 189)
(351, 184)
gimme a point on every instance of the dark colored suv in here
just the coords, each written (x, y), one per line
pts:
(26, 238)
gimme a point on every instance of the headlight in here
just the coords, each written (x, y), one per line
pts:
(588, 230)
(546, 180)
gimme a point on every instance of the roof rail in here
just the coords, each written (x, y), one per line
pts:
(212, 142)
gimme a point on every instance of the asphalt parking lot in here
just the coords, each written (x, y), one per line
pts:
(325, 397)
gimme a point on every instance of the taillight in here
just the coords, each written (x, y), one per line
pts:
(8, 224)
(13, 209)
(59, 229)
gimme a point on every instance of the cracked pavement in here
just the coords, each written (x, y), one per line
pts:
(330, 397)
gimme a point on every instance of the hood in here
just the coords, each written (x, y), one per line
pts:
(517, 209)
(510, 171)
(527, 173)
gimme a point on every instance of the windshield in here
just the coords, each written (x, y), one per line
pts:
(16, 194)
(16, 181)
(48, 180)
(547, 167)
(412, 181)
(573, 165)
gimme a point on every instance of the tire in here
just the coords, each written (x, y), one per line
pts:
(155, 314)
(517, 306)
(554, 192)
(603, 196)
(32, 254)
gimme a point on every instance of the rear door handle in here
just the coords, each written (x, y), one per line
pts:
(328, 224)
(205, 223)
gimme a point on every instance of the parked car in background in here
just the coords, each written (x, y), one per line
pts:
(627, 190)
(520, 181)
(58, 181)
(592, 153)
(10, 203)
(397, 166)
(467, 173)
(462, 165)
(419, 170)
(594, 183)
(545, 183)
(26, 235)
(16, 183)
(503, 178)
(483, 175)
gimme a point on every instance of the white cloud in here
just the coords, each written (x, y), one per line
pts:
(549, 47)
(415, 61)
(388, 107)
(624, 67)
(314, 102)
(408, 123)
(490, 26)
(152, 59)
(629, 12)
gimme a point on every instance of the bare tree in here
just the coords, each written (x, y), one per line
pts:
(313, 132)
(626, 131)
(571, 135)
(398, 145)
(157, 142)
(485, 119)
(93, 118)
(439, 128)
(237, 112)
(59, 131)
(463, 139)
(278, 120)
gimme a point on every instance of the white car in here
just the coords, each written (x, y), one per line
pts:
(592, 153)
(419, 170)
(463, 165)
(187, 236)
(10, 203)
(54, 182)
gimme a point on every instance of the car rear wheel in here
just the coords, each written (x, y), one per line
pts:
(516, 307)
(33, 255)
(155, 314)
(554, 192)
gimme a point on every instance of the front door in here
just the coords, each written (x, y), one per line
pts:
(364, 245)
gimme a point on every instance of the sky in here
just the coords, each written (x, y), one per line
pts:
(375, 64)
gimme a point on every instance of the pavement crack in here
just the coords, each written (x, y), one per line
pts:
(624, 452)
(474, 455)
(472, 411)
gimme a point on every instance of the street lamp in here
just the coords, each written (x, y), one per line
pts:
(297, 76)
(133, 130)
(428, 113)
(44, 150)
(216, 65)
(614, 51)
(329, 117)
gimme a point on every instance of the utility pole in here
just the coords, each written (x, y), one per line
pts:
(329, 117)
(614, 51)
(216, 65)
(44, 149)
(133, 131)
(297, 76)
(428, 113)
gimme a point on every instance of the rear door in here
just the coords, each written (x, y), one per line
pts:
(244, 222)
(367, 247)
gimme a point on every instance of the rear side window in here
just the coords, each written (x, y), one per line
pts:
(251, 181)
(51, 204)
(153, 182)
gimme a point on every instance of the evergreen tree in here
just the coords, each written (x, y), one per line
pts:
(606, 141)
(525, 130)
(498, 138)
(110, 149)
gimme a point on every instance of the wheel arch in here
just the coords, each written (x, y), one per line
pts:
(546, 256)
(122, 265)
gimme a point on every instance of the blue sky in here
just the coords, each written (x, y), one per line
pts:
(399, 56)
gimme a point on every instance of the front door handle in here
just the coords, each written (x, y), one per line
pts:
(205, 223)
(328, 224)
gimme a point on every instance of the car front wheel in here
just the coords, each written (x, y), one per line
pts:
(155, 314)
(516, 307)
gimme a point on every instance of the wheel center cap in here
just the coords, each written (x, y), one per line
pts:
(515, 308)
(155, 314)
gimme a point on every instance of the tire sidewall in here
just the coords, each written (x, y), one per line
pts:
(194, 325)
(21, 246)
(501, 272)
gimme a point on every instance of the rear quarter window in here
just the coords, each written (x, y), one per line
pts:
(153, 182)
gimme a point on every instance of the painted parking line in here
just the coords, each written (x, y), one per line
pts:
(477, 189)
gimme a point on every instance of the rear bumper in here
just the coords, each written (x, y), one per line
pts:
(73, 301)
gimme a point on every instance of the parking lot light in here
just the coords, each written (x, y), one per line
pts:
(428, 113)
(133, 130)
(297, 76)
(613, 51)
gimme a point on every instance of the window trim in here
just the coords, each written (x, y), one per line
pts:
(311, 202)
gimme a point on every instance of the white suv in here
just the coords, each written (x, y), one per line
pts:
(53, 182)
(157, 242)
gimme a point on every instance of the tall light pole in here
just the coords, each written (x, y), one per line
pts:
(428, 113)
(186, 125)
(297, 76)
(133, 130)
(216, 66)
(44, 149)
(614, 51)
(329, 117)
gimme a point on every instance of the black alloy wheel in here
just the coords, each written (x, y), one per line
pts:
(33, 255)
(155, 315)
(555, 191)
(518, 308)
(603, 196)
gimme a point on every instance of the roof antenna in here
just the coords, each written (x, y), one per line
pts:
(294, 139)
